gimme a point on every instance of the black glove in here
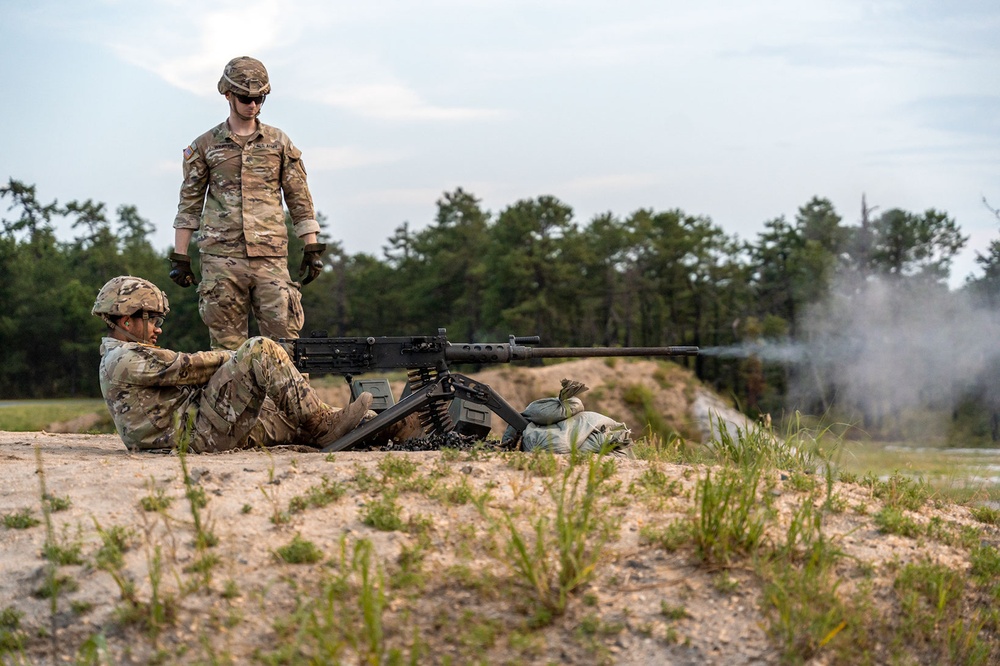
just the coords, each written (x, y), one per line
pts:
(180, 269)
(312, 262)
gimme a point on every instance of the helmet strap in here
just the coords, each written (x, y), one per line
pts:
(128, 334)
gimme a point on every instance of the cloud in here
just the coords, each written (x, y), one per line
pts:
(172, 167)
(187, 44)
(349, 157)
(614, 182)
(960, 114)
(392, 101)
(419, 196)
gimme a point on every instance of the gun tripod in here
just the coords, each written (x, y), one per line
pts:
(431, 399)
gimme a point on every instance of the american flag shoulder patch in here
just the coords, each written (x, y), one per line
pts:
(188, 152)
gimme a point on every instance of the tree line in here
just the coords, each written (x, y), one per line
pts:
(649, 278)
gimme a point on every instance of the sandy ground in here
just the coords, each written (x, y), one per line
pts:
(468, 607)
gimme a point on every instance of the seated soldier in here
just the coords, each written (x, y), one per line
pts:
(213, 400)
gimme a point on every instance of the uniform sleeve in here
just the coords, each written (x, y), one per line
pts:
(296, 192)
(193, 187)
(152, 366)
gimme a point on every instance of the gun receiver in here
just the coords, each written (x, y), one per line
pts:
(432, 386)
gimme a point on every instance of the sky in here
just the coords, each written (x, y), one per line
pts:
(740, 112)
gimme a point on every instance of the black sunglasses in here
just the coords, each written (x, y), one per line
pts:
(252, 100)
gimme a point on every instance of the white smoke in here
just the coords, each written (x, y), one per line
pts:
(894, 346)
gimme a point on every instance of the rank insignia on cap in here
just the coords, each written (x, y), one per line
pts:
(188, 152)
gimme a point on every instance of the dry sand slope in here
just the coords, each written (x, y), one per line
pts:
(440, 539)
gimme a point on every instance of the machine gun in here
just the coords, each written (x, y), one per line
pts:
(431, 385)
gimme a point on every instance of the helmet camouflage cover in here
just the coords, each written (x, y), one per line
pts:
(245, 76)
(125, 295)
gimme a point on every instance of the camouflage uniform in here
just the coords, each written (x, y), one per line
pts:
(222, 400)
(243, 241)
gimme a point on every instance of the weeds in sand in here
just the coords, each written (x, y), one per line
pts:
(299, 551)
(567, 545)
(344, 615)
(725, 583)
(670, 537)
(230, 589)
(931, 601)
(20, 520)
(57, 504)
(672, 612)
(803, 606)
(410, 571)
(371, 597)
(757, 446)
(892, 520)
(161, 608)
(456, 494)
(383, 513)
(94, 651)
(673, 449)
(156, 500)
(54, 584)
(110, 557)
(64, 552)
(951, 533)
(364, 480)
(278, 515)
(540, 462)
(730, 521)
(655, 486)
(804, 538)
(395, 469)
(899, 491)
(986, 514)
(195, 494)
(319, 496)
(985, 564)
(450, 455)
(800, 591)
(12, 636)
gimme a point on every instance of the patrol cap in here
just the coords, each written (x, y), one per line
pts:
(245, 76)
(125, 295)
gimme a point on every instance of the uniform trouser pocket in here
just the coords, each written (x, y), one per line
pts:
(228, 409)
(224, 300)
(277, 301)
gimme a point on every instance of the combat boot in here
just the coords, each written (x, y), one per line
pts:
(408, 428)
(331, 424)
(400, 431)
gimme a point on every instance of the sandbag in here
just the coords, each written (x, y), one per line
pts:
(547, 411)
(587, 432)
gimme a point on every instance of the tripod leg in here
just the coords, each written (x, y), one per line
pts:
(436, 392)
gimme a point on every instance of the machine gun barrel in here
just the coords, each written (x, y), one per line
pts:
(506, 352)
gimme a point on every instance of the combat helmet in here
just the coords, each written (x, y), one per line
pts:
(245, 76)
(125, 295)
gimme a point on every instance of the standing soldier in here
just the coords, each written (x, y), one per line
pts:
(234, 177)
